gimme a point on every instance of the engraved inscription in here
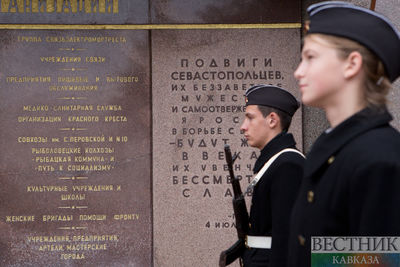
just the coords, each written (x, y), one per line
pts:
(76, 178)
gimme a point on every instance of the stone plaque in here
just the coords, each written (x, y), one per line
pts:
(74, 11)
(75, 172)
(199, 78)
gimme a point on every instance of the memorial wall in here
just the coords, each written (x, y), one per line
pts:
(75, 142)
(76, 135)
(114, 117)
(199, 79)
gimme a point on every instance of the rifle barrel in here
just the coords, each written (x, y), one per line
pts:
(235, 182)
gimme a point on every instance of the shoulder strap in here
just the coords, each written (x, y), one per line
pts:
(268, 164)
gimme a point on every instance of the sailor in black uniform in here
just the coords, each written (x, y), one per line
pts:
(351, 178)
(269, 110)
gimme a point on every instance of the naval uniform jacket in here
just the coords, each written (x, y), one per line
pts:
(272, 201)
(351, 184)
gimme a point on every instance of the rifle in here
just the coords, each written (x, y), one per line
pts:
(241, 215)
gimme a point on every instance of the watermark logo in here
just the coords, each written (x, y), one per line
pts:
(343, 251)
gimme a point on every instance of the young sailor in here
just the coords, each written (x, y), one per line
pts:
(269, 111)
(352, 173)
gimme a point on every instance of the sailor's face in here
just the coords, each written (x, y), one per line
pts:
(320, 73)
(255, 127)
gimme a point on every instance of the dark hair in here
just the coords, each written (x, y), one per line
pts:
(285, 118)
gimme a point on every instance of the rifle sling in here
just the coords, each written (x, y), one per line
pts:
(267, 165)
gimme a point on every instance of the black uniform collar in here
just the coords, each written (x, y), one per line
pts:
(279, 142)
(328, 144)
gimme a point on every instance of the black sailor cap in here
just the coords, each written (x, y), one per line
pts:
(272, 96)
(362, 25)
